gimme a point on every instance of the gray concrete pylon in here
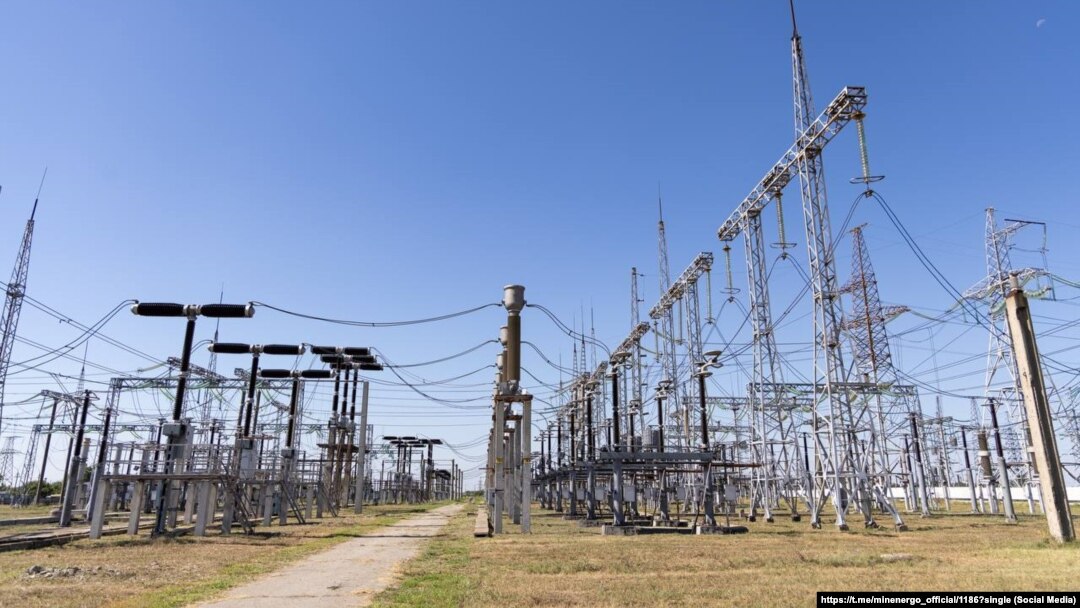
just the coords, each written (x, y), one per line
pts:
(1040, 418)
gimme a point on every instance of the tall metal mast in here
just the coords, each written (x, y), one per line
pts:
(833, 407)
(893, 413)
(16, 289)
(635, 320)
(665, 333)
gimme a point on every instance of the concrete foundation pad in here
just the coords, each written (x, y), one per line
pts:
(589, 523)
(721, 530)
(671, 523)
(665, 530)
(610, 530)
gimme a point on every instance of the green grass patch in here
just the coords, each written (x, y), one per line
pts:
(437, 578)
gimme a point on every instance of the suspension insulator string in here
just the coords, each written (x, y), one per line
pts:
(708, 296)
(731, 291)
(783, 244)
(864, 156)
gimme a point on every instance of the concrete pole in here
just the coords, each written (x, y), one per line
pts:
(361, 466)
(970, 473)
(590, 452)
(45, 456)
(572, 468)
(919, 473)
(558, 465)
(498, 441)
(176, 432)
(331, 444)
(99, 469)
(1006, 485)
(1040, 418)
(526, 464)
(73, 471)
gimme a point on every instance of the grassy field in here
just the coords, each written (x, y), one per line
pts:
(779, 564)
(144, 573)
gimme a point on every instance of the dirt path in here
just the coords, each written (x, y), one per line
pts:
(348, 574)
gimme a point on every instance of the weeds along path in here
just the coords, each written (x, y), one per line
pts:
(349, 574)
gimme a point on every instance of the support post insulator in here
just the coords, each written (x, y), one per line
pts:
(158, 309)
(283, 349)
(864, 154)
(356, 351)
(227, 311)
(230, 348)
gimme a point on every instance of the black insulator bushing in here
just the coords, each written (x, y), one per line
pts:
(227, 311)
(331, 358)
(365, 359)
(230, 348)
(356, 351)
(316, 374)
(158, 309)
(371, 367)
(283, 349)
(324, 350)
(275, 373)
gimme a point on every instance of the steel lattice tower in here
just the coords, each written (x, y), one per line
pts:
(992, 291)
(773, 420)
(16, 289)
(834, 407)
(635, 366)
(894, 411)
(7, 462)
(665, 333)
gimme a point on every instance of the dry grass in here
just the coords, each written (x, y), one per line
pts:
(10, 512)
(140, 572)
(779, 564)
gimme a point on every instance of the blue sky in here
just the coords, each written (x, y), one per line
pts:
(385, 161)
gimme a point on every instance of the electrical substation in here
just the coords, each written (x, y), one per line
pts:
(765, 383)
(641, 446)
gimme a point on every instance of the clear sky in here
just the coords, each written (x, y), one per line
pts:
(389, 161)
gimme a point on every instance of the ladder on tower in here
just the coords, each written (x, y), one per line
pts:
(242, 508)
(290, 500)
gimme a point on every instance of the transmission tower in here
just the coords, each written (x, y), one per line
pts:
(27, 472)
(833, 428)
(9, 319)
(773, 420)
(894, 412)
(992, 291)
(7, 462)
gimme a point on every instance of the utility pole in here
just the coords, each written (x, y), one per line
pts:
(1040, 419)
